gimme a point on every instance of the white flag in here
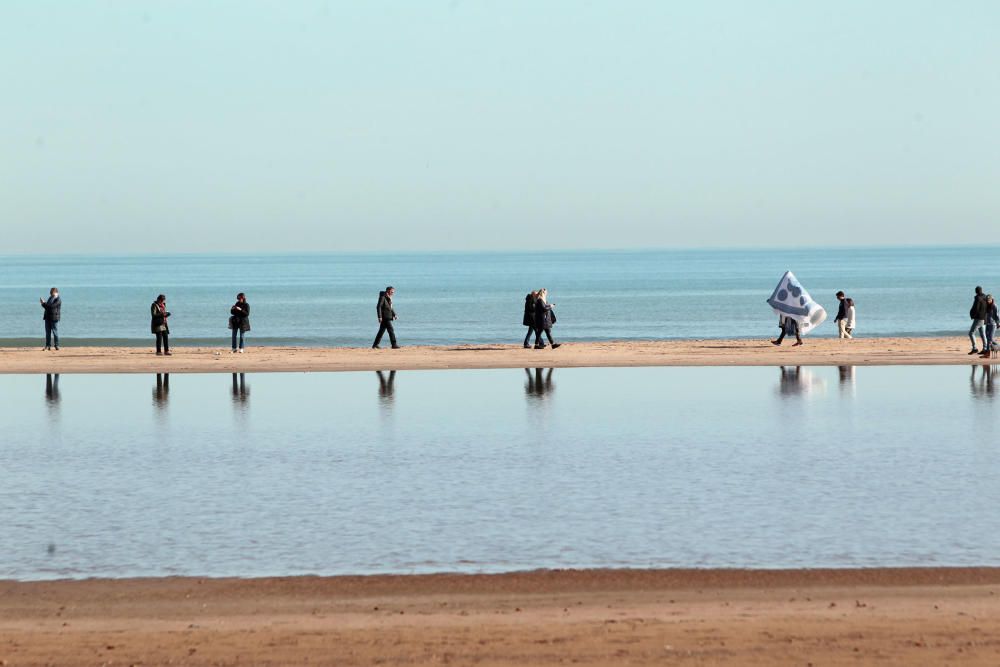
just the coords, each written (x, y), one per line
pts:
(790, 299)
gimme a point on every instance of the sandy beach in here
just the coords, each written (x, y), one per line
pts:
(598, 617)
(819, 351)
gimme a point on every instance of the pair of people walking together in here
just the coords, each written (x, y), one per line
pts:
(539, 317)
(845, 316)
(985, 321)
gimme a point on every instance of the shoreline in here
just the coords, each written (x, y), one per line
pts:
(714, 352)
(590, 617)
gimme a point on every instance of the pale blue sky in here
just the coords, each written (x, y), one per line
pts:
(243, 126)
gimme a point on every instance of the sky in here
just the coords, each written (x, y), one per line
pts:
(246, 126)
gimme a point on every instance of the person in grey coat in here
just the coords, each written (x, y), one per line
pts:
(52, 308)
(386, 314)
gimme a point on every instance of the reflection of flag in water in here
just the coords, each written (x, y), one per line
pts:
(790, 299)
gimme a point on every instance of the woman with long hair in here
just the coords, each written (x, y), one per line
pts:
(545, 317)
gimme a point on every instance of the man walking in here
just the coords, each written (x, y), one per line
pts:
(52, 312)
(842, 316)
(978, 314)
(385, 317)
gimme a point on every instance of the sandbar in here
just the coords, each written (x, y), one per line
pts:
(816, 352)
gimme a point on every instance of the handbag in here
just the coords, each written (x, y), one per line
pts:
(232, 321)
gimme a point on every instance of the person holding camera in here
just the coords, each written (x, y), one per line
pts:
(53, 311)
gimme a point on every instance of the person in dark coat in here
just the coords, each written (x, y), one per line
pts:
(992, 322)
(529, 318)
(545, 317)
(841, 318)
(52, 312)
(158, 324)
(239, 320)
(386, 315)
(978, 314)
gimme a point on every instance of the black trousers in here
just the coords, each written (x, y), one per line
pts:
(161, 339)
(527, 338)
(385, 327)
(538, 335)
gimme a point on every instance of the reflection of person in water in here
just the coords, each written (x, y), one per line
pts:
(386, 386)
(240, 390)
(162, 389)
(52, 389)
(986, 386)
(537, 385)
(791, 380)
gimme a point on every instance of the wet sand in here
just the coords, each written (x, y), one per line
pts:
(816, 351)
(586, 617)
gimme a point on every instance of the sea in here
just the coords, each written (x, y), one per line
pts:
(477, 298)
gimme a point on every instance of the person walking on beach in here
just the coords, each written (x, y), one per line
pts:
(545, 317)
(788, 325)
(992, 322)
(851, 318)
(386, 315)
(529, 318)
(239, 320)
(52, 311)
(158, 325)
(978, 315)
(841, 318)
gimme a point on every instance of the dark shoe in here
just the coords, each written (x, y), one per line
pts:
(539, 347)
(57, 348)
(774, 342)
(395, 347)
(555, 345)
(159, 354)
(45, 349)
(527, 347)
(168, 354)
(376, 347)
(796, 344)
(974, 351)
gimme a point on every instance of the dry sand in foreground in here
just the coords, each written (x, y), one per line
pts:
(816, 351)
(597, 617)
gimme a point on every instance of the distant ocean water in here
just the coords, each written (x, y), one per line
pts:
(456, 298)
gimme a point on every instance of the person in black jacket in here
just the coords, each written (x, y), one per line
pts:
(239, 320)
(529, 318)
(386, 315)
(841, 318)
(158, 324)
(545, 317)
(992, 322)
(978, 314)
(52, 312)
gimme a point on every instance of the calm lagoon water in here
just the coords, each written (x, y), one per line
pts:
(497, 470)
(449, 298)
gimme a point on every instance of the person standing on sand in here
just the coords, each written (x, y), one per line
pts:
(841, 318)
(851, 321)
(992, 322)
(978, 315)
(386, 315)
(158, 324)
(788, 325)
(529, 318)
(52, 308)
(239, 320)
(545, 317)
